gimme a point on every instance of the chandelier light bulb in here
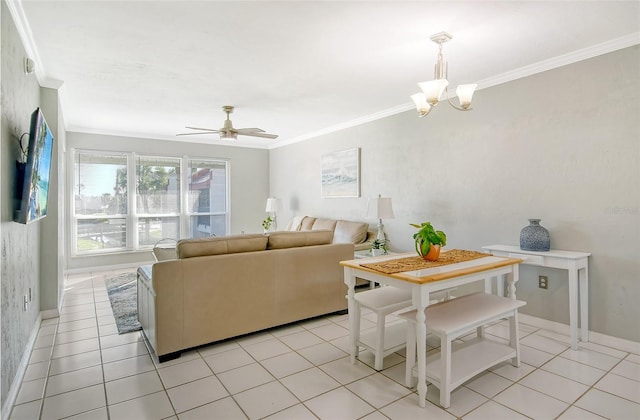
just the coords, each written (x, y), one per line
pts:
(433, 90)
(465, 93)
(422, 105)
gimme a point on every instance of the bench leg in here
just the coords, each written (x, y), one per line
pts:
(411, 355)
(379, 356)
(354, 328)
(445, 371)
(514, 338)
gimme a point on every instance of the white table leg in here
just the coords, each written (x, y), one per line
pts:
(500, 285)
(512, 279)
(584, 303)
(354, 313)
(421, 301)
(379, 357)
(445, 371)
(573, 305)
(514, 339)
(410, 355)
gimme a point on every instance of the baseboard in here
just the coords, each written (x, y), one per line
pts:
(107, 267)
(22, 369)
(50, 313)
(594, 337)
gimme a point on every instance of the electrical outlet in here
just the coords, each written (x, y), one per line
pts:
(543, 282)
(25, 303)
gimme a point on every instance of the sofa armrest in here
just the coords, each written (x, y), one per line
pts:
(168, 286)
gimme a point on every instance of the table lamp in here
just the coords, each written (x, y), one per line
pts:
(380, 208)
(273, 206)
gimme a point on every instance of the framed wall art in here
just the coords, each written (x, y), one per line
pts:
(341, 174)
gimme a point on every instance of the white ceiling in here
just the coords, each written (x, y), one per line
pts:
(293, 68)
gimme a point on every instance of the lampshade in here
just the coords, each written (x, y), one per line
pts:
(465, 93)
(421, 104)
(433, 90)
(273, 205)
(380, 208)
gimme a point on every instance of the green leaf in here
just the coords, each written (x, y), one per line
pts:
(426, 236)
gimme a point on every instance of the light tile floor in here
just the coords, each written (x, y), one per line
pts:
(81, 368)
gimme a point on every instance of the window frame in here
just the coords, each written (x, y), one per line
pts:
(132, 217)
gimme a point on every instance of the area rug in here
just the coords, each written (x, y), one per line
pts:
(123, 294)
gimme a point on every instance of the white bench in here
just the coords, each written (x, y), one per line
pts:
(384, 301)
(451, 319)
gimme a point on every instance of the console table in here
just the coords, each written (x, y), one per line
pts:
(576, 263)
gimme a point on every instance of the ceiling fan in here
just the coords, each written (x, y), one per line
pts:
(228, 132)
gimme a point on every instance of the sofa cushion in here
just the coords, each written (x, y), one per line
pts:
(280, 240)
(350, 232)
(307, 223)
(189, 248)
(324, 224)
(295, 223)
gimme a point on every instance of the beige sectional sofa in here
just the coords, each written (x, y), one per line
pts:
(223, 287)
(344, 231)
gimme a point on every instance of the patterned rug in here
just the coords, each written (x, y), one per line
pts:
(418, 263)
(123, 294)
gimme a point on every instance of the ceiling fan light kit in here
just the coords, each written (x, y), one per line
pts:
(433, 90)
(227, 132)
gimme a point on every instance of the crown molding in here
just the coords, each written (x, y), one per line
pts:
(562, 60)
(550, 64)
(50, 83)
(131, 134)
(24, 31)
(347, 124)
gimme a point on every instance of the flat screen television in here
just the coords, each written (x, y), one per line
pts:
(37, 171)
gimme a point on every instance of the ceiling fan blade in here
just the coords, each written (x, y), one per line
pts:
(197, 134)
(263, 135)
(203, 129)
(250, 130)
(228, 132)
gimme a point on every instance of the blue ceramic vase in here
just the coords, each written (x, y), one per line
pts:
(534, 237)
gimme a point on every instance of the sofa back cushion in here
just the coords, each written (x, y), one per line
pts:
(350, 232)
(189, 248)
(280, 240)
(307, 223)
(295, 223)
(324, 224)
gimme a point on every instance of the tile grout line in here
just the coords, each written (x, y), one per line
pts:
(104, 382)
(334, 322)
(589, 387)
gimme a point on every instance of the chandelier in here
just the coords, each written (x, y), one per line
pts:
(432, 91)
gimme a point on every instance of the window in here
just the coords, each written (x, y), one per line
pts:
(157, 199)
(207, 198)
(100, 195)
(111, 215)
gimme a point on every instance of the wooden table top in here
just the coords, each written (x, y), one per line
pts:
(440, 273)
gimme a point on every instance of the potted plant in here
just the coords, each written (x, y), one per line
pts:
(428, 241)
(266, 224)
(378, 247)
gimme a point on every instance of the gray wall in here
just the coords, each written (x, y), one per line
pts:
(249, 183)
(52, 226)
(563, 146)
(20, 243)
